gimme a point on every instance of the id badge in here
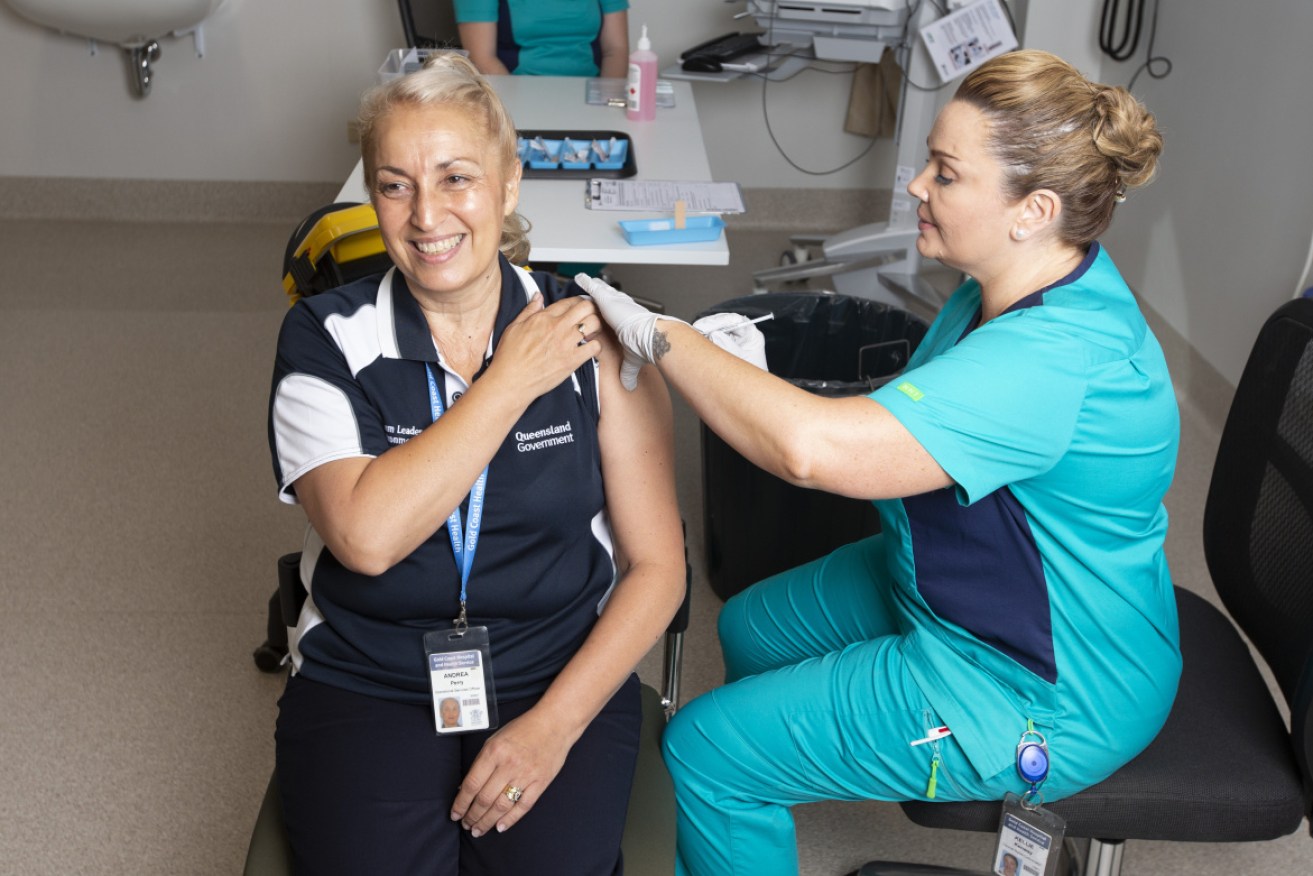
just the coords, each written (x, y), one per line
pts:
(460, 672)
(1029, 839)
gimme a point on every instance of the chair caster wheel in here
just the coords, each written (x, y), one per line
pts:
(269, 658)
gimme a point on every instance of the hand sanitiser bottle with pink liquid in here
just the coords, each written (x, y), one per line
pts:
(641, 94)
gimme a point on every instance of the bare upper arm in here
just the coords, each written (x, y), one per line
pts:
(325, 493)
(856, 447)
(636, 435)
(614, 40)
(479, 38)
(877, 457)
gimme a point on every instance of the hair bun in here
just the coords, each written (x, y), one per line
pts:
(1052, 128)
(1126, 133)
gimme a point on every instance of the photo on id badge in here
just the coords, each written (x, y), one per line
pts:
(1023, 850)
(459, 698)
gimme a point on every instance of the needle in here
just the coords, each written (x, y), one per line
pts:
(738, 325)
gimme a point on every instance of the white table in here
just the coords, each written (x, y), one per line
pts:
(564, 230)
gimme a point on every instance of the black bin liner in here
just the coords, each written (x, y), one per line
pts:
(832, 345)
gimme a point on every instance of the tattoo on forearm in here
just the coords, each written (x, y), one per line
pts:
(660, 346)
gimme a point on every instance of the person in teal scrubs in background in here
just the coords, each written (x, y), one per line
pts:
(1018, 464)
(546, 37)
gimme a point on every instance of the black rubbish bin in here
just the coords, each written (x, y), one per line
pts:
(832, 345)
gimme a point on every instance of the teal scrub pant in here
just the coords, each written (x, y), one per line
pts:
(819, 705)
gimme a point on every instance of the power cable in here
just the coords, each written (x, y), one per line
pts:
(766, 80)
(1131, 24)
(770, 131)
(1120, 27)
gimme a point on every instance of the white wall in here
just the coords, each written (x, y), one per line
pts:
(806, 113)
(1218, 240)
(271, 99)
(1213, 245)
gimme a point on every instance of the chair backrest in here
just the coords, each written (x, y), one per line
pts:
(429, 24)
(1258, 521)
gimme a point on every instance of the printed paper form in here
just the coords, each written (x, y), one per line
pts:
(967, 38)
(655, 195)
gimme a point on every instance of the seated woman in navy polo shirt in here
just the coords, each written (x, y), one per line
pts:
(455, 431)
(546, 37)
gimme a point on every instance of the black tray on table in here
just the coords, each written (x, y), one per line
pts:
(594, 169)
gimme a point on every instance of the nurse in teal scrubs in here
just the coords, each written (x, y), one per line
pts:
(1018, 466)
(546, 37)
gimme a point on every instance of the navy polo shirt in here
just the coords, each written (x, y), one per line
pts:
(350, 381)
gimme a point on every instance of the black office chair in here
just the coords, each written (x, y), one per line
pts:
(648, 844)
(1225, 768)
(429, 24)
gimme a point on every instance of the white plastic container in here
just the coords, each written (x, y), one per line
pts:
(399, 62)
(640, 96)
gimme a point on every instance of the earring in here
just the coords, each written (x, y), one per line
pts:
(1020, 233)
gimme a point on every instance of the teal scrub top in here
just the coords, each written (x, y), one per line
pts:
(551, 37)
(1038, 586)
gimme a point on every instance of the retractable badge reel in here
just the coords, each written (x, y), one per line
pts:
(1029, 836)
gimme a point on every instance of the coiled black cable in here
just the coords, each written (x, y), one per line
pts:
(1131, 24)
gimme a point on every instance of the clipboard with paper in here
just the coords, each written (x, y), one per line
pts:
(661, 196)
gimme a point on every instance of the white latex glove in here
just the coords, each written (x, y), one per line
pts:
(734, 333)
(632, 323)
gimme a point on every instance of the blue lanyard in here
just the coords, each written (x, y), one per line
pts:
(463, 545)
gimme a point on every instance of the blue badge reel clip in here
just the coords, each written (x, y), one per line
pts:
(1029, 836)
(1033, 760)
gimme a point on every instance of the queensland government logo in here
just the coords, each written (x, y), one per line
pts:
(552, 436)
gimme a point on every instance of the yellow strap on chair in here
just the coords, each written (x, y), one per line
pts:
(347, 235)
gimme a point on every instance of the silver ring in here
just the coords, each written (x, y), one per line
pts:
(513, 793)
(583, 336)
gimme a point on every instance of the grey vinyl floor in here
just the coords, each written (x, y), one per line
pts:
(139, 530)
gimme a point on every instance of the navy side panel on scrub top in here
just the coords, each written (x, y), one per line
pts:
(993, 533)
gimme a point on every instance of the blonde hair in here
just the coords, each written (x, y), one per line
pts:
(1052, 128)
(449, 79)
